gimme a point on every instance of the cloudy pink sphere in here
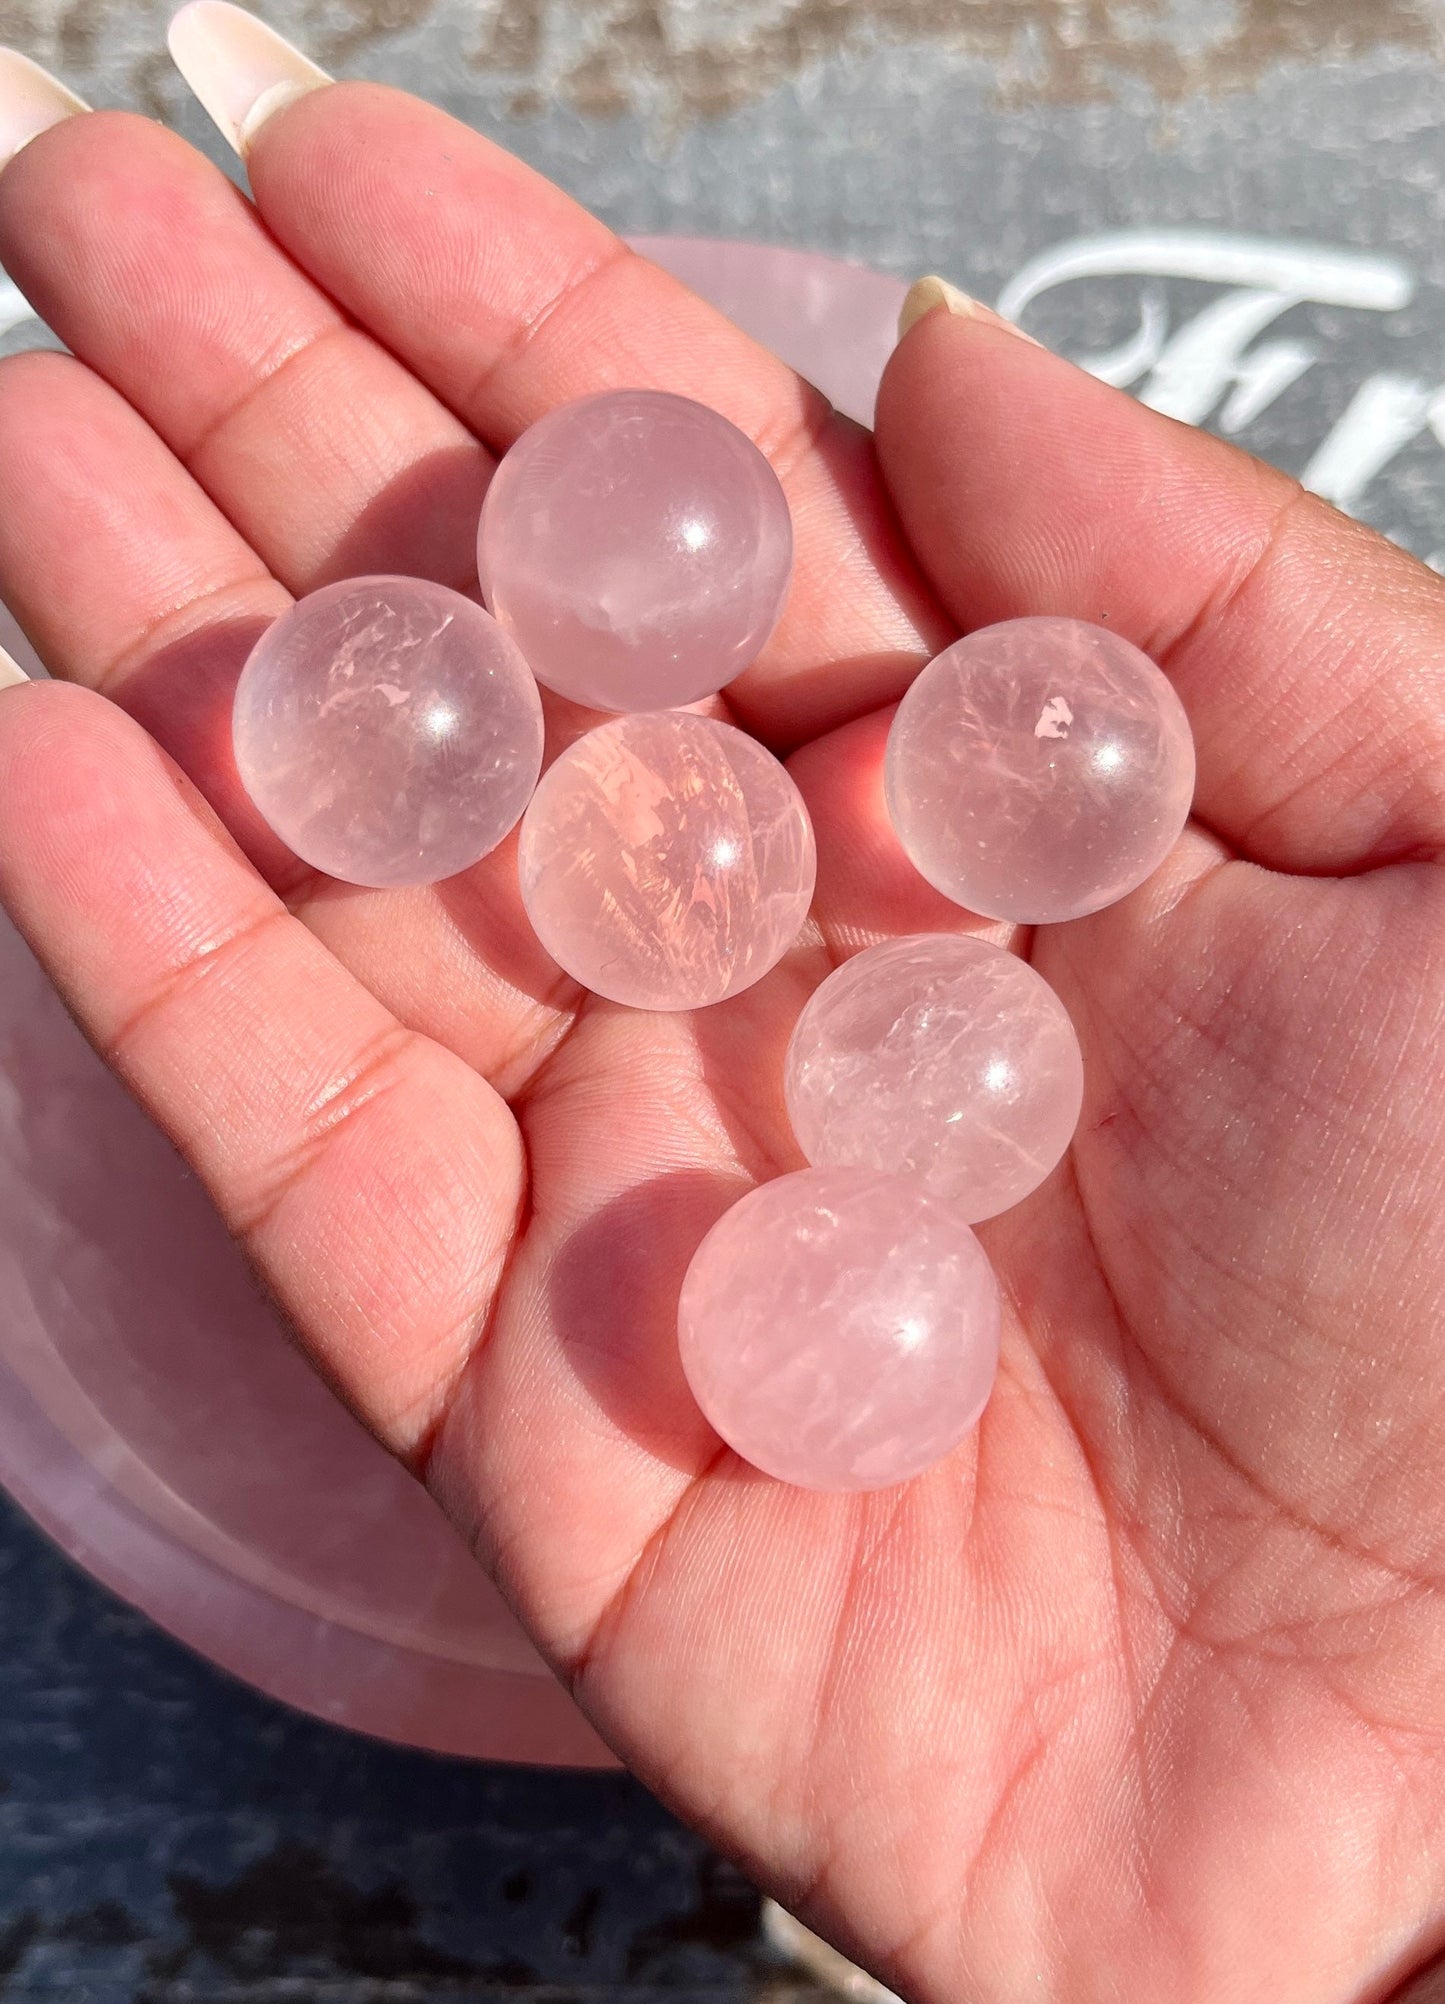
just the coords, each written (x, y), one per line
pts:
(1039, 770)
(638, 548)
(939, 1057)
(388, 730)
(667, 860)
(840, 1328)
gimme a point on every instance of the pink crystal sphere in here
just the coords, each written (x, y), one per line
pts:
(839, 1328)
(666, 860)
(638, 547)
(388, 730)
(1039, 770)
(938, 1057)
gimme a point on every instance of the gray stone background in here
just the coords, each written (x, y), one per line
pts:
(166, 1836)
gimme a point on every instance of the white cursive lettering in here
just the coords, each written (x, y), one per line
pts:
(1215, 362)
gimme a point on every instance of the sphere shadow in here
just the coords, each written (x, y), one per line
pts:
(613, 1294)
(615, 1285)
(820, 695)
(868, 889)
(422, 524)
(742, 1046)
(182, 694)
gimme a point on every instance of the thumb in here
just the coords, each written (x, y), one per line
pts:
(1308, 651)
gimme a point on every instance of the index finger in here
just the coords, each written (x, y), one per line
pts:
(506, 298)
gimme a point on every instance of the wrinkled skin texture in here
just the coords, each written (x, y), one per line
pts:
(1140, 1695)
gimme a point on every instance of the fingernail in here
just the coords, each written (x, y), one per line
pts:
(10, 671)
(930, 292)
(241, 70)
(31, 101)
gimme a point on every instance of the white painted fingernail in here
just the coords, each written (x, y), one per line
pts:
(930, 292)
(10, 671)
(31, 101)
(242, 71)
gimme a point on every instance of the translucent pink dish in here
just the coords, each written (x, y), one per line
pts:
(154, 1420)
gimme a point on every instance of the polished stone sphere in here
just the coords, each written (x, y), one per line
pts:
(840, 1328)
(941, 1057)
(1039, 770)
(637, 547)
(666, 860)
(388, 730)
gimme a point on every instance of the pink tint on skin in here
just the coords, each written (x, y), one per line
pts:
(327, 1579)
(939, 1057)
(1039, 770)
(666, 861)
(388, 730)
(840, 1328)
(638, 547)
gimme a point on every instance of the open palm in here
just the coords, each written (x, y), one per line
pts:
(1142, 1694)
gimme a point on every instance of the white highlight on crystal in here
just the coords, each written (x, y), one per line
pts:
(1054, 719)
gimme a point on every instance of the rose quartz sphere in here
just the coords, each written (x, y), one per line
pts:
(839, 1328)
(1039, 770)
(938, 1057)
(666, 861)
(388, 730)
(638, 548)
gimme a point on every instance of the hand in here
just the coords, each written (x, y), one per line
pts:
(1142, 1694)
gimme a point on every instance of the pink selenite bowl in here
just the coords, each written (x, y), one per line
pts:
(153, 1417)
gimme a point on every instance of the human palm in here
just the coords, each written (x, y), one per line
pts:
(1142, 1693)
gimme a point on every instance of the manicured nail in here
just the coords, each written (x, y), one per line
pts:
(10, 671)
(241, 70)
(31, 101)
(931, 292)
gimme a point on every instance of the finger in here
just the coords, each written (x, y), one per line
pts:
(507, 298)
(327, 455)
(373, 1177)
(129, 580)
(1306, 649)
(115, 563)
(867, 890)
